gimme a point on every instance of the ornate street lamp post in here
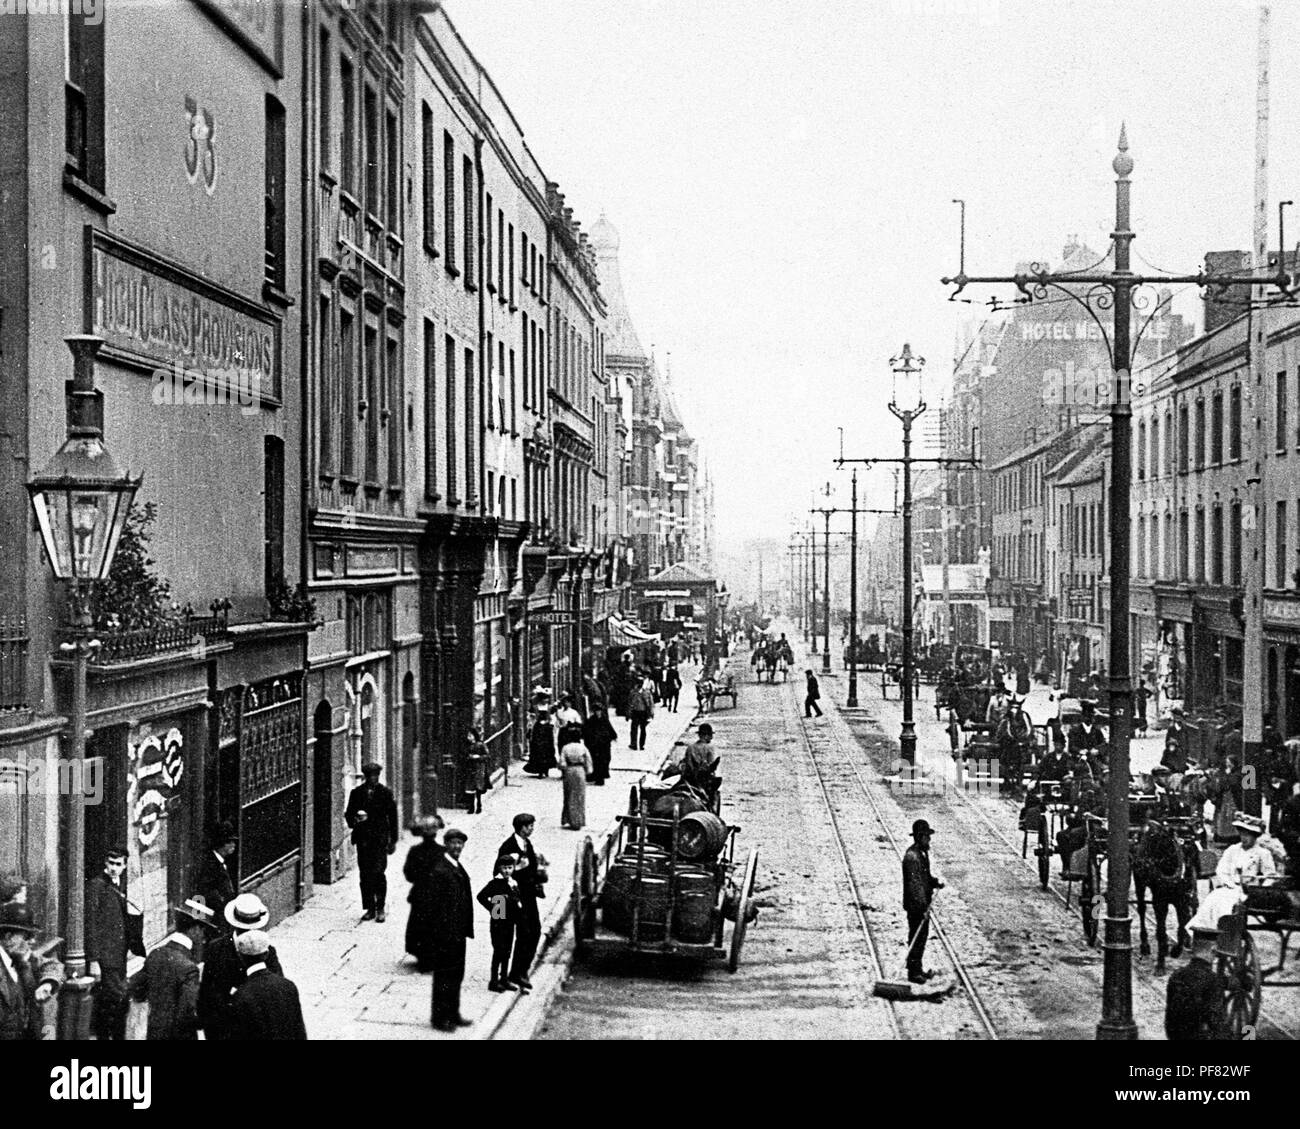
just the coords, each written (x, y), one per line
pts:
(908, 404)
(81, 502)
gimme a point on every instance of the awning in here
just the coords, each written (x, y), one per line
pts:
(625, 634)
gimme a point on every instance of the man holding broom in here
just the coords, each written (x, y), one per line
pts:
(918, 889)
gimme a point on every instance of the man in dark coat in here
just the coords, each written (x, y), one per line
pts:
(812, 695)
(598, 735)
(453, 923)
(216, 886)
(223, 971)
(372, 815)
(532, 885)
(266, 1006)
(421, 861)
(23, 986)
(1194, 996)
(170, 977)
(918, 888)
(1085, 734)
(106, 947)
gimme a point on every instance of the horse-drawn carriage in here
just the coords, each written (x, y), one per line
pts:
(667, 882)
(772, 657)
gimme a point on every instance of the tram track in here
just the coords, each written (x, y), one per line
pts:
(1267, 1027)
(969, 991)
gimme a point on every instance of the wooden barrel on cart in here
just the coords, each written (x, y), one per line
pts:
(701, 835)
(693, 904)
(655, 860)
(623, 892)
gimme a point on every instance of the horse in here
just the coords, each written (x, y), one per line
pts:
(1168, 867)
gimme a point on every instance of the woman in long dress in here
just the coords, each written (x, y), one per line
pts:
(597, 735)
(420, 862)
(575, 764)
(541, 746)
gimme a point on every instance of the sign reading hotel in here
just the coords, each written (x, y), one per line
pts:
(159, 316)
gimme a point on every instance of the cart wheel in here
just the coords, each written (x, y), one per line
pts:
(1244, 984)
(1044, 853)
(1089, 893)
(743, 904)
(584, 895)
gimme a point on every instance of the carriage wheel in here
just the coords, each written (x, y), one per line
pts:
(584, 896)
(1089, 893)
(1044, 853)
(742, 910)
(1243, 987)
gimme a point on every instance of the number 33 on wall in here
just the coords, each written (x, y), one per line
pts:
(200, 150)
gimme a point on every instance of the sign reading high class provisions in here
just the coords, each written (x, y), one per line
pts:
(256, 24)
(158, 315)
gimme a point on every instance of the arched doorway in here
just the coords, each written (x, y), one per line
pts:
(323, 792)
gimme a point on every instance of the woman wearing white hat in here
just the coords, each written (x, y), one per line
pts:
(1242, 863)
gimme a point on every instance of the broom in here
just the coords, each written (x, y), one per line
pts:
(901, 989)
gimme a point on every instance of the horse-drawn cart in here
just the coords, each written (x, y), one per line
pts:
(667, 882)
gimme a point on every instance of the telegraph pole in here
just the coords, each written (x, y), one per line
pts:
(1255, 512)
(1116, 289)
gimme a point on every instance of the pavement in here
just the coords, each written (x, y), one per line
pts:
(354, 977)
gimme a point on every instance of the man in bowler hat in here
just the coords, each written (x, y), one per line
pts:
(453, 923)
(216, 886)
(23, 986)
(372, 815)
(918, 888)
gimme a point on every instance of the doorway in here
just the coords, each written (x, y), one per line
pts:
(323, 793)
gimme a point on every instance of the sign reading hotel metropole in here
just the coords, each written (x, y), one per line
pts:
(204, 344)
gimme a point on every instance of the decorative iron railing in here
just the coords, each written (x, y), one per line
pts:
(162, 639)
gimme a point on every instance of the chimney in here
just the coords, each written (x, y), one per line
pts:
(1223, 306)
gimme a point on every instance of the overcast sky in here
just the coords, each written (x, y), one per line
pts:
(781, 175)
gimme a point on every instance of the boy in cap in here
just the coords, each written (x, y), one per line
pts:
(170, 977)
(530, 877)
(23, 988)
(223, 971)
(918, 889)
(372, 815)
(500, 897)
(266, 1006)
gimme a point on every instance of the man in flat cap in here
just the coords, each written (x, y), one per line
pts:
(266, 1006)
(372, 815)
(170, 977)
(453, 923)
(530, 877)
(918, 888)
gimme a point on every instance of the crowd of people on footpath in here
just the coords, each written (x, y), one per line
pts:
(216, 972)
(560, 737)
